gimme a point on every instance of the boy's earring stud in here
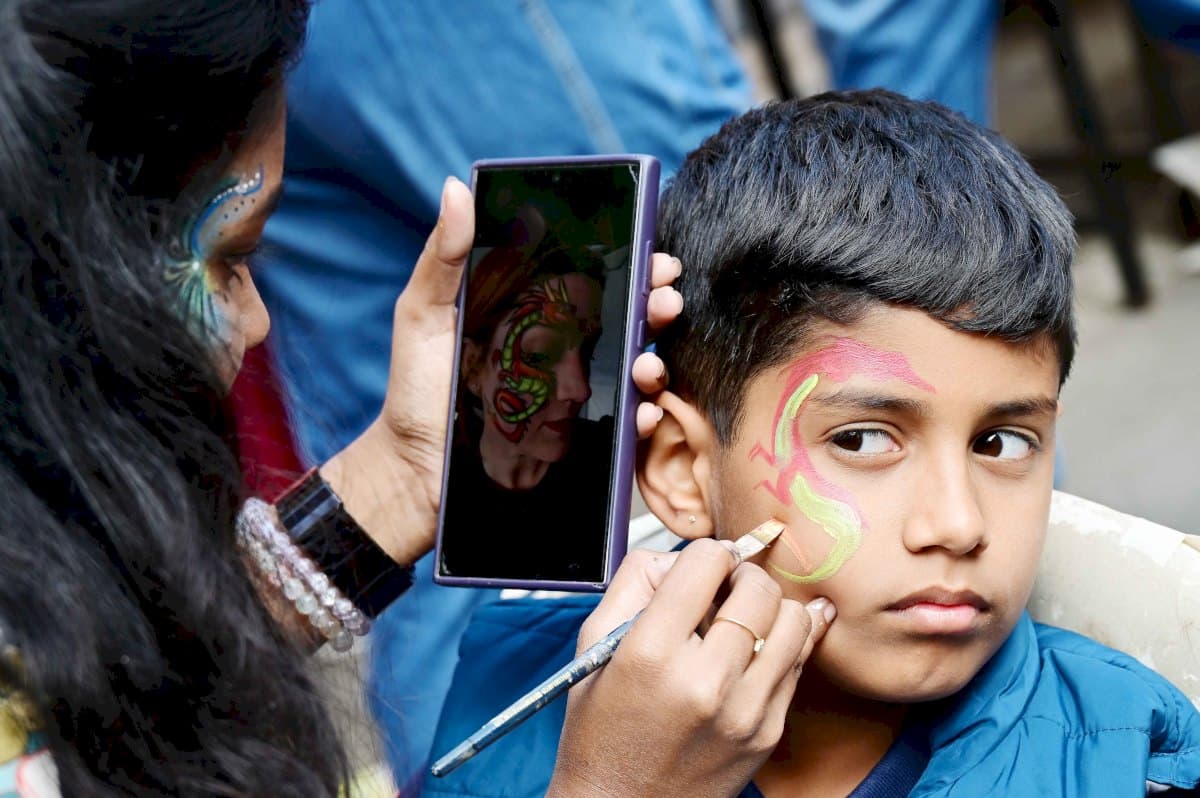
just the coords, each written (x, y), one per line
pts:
(691, 519)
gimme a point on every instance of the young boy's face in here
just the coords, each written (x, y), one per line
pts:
(912, 465)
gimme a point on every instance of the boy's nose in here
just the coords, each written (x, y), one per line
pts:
(945, 512)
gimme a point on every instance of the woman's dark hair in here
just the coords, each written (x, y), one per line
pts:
(153, 667)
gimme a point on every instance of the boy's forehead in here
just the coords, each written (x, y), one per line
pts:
(913, 350)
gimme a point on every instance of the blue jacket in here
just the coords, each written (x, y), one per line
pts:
(1052, 714)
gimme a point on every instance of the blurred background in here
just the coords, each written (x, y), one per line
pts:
(1109, 114)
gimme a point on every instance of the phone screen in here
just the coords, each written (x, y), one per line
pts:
(530, 482)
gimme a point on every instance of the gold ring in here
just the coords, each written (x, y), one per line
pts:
(758, 641)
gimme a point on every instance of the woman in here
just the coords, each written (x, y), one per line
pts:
(530, 328)
(141, 146)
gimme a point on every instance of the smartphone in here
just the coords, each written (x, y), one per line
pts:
(541, 437)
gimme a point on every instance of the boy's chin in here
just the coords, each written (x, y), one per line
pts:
(891, 682)
(917, 693)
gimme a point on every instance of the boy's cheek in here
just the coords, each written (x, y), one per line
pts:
(799, 552)
(820, 538)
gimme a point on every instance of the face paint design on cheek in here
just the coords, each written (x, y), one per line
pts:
(192, 275)
(830, 507)
(524, 388)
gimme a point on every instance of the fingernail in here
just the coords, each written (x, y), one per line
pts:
(678, 301)
(445, 186)
(661, 413)
(678, 266)
(662, 371)
(825, 607)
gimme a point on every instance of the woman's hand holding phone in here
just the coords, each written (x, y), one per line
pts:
(390, 477)
(674, 713)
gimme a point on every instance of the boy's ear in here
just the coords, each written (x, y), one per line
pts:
(675, 468)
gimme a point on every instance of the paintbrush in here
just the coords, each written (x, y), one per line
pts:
(591, 660)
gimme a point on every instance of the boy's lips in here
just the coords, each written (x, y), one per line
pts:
(939, 610)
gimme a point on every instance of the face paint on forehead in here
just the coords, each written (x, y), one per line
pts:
(846, 357)
(192, 276)
(829, 506)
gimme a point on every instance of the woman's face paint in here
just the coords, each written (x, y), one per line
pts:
(198, 275)
(827, 505)
(210, 265)
(526, 375)
(535, 376)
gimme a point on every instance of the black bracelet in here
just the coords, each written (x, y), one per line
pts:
(319, 524)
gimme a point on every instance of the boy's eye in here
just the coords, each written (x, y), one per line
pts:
(1004, 445)
(865, 441)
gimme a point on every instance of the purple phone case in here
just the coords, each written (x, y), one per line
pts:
(624, 416)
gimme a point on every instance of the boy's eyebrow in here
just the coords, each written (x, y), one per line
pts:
(863, 400)
(1032, 406)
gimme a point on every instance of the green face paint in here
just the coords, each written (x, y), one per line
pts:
(837, 518)
(825, 504)
(525, 388)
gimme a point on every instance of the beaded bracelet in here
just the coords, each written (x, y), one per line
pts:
(287, 567)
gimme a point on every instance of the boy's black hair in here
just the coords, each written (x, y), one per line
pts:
(823, 207)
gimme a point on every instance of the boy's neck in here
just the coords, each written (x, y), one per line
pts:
(831, 741)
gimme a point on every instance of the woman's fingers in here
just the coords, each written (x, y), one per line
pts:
(648, 416)
(663, 307)
(649, 373)
(676, 714)
(798, 628)
(664, 269)
(438, 272)
(775, 674)
(664, 303)
(685, 596)
(746, 617)
(641, 573)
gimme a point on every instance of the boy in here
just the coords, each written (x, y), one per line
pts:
(877, 323)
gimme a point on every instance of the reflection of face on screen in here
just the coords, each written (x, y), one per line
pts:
(532, 377)
(542, 320)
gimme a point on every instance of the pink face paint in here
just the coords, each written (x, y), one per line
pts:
(846, 357)
(798, 483)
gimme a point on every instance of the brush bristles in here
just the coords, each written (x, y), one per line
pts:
(756, 540)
